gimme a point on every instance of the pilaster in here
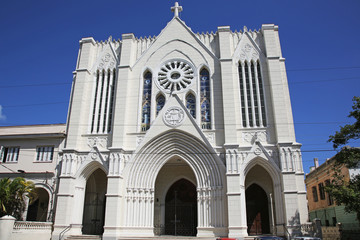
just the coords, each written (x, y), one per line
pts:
(227, 81)
(279, 89)
(235, 194)
(122, 85)
(77, 123)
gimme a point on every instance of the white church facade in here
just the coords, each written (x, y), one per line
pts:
(180, 134)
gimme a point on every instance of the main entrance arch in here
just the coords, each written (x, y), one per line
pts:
(176, 200)
(149, 177)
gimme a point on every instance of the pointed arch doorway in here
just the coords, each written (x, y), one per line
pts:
(94, 203)
(257, 210)
(181, 209)
(175, 211)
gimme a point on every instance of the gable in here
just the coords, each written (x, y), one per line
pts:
(247, 49)
(173, 115)
(176, 35)
(107, 57)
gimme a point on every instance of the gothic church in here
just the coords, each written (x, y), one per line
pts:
(181, 134)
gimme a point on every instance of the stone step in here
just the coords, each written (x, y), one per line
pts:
(83, 237)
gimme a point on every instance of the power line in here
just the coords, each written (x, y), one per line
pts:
(130, 79)
(33, 104)
(323, 68)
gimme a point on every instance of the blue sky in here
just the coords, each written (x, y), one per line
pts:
(320, 39)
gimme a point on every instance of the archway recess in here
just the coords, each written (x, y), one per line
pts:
(208, 173)
(94, 203)
(259, 210)
(181, 209)
(176, 200)
(38, 210)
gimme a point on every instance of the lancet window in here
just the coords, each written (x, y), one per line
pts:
(252, 95)
(191, 104)
(205, 99)
(146, 101)
(103, 101)
(160, 102)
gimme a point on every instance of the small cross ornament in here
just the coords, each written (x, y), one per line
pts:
(176, 9)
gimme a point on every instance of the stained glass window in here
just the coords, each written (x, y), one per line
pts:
(146, 102)
(160, 102)
(191, 104)
(205, 99)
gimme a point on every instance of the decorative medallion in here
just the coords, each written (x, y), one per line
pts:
(175, 76)
(257, 151)
(173, 116)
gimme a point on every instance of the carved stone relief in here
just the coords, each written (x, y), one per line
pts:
(210, 137)
(97, 142)
(173, 116)
(251, 136)
(248, 52)
(139, 140)
(107, 61)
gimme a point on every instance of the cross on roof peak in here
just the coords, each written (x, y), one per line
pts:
(176, 9)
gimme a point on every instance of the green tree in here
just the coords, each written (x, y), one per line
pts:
(13, 194)
(344, 192)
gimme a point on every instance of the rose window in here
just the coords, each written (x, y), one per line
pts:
(175, 76)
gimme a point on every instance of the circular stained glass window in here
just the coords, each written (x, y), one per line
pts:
(175, 76)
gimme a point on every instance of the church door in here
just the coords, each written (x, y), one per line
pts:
(181, 209)
(94, 205)
(257, 210)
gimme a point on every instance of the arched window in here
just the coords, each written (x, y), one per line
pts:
(251, 95)
(160, 102)
(205, 99)
(146, 101)
(191, 104)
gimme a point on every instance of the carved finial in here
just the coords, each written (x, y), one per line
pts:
(245, 29)
(110, 39)
(176, 9)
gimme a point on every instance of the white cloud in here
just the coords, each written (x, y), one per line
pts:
(2, 116)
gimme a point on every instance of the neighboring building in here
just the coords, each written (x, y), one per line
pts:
(200, 123)
(32, 152)
(321, 204)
